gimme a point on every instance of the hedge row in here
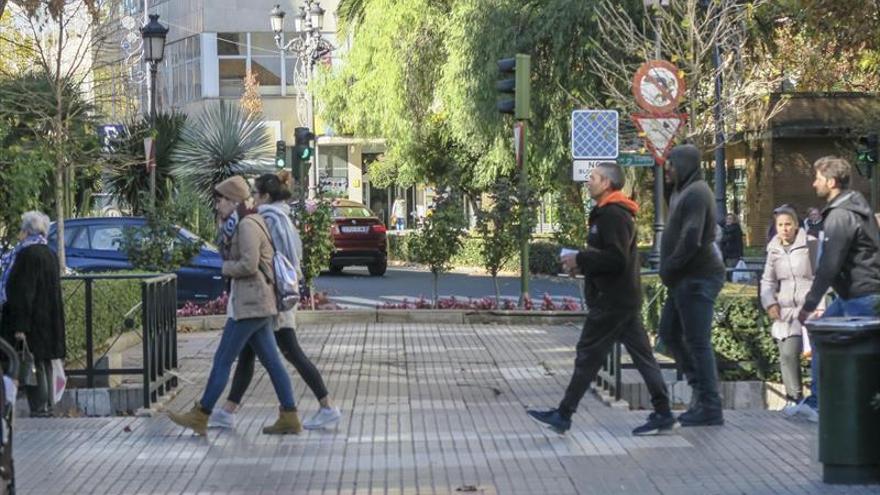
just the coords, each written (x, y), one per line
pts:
(111, 301)
(543, 254)
(741, 335)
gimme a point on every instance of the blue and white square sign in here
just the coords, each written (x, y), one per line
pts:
(594, 134)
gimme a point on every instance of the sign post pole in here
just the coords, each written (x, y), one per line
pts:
(519, 138)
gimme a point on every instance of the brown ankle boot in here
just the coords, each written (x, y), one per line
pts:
(287, 423)
(196, 419)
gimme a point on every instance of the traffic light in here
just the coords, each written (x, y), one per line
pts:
(302, 152)
(519, 68)
(303, 138)
(280, 155)
(867, 152)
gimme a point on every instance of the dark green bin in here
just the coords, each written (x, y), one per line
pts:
(849, 378)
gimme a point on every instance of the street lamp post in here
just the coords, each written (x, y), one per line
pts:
(309, 46)
(154, 35)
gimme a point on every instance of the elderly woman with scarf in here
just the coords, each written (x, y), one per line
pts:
(247, 260)
(33, 310)
(270, 195)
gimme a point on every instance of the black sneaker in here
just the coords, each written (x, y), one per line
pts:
(551, 419)
(657, 424)
(701, 417)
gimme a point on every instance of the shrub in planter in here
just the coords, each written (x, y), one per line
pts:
(544, 258)
(498, 229)
(439, 238)
(113, 301)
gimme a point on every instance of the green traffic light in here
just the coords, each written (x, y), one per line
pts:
(305, 153)
(279, 162)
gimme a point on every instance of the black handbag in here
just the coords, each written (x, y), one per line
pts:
(27, 368)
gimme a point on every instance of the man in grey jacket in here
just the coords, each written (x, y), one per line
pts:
(692, 270)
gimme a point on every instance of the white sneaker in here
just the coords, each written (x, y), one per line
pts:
(791, 409)
(220, 418)
(808, 412)
(324, 418)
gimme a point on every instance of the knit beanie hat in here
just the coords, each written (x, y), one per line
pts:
(234, 188)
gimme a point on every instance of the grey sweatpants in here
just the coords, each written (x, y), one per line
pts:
(790, 363)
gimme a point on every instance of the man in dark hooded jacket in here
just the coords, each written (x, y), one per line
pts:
(849, 257)
(612, 289)
(692, 270)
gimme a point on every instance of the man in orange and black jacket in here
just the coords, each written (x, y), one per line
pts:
(610, 265)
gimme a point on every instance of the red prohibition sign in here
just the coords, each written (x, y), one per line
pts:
(658, 86)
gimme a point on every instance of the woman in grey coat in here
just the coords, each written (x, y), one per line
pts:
(788, 276)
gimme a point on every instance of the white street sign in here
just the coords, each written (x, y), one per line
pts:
(581, 169)
(660, 132)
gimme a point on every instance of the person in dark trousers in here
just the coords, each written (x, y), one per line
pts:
(849, 257)
(270, 194)
(731, 241)
(693, 272)
(33, 308)
(247, 251)
(612, 289)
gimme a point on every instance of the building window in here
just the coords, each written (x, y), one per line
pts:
(266, 63)
(180, 77)
(333, 170)
(232, 54)
(333, 161)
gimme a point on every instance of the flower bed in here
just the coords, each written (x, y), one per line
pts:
(218, 306)
(486, 304)
(323, 303)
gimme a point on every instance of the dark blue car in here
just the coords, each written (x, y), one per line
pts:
(93, 245)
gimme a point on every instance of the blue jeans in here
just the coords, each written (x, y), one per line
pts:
(859, 306)
(399, 224)
(236, 334)
(686, 330)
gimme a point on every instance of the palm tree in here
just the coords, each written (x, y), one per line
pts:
(127, 179)
(223, 141)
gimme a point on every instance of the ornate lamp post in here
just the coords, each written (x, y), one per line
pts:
(309, 47)
(154, 35)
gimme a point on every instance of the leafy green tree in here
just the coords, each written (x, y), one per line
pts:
(438, 79)
(221, 142)
(439, 238)
(127, 177)
(24, 171)
(60, 45)
(498, 227)
(157, 245)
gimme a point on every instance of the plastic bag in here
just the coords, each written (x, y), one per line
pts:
(59, 380)
(808, 348)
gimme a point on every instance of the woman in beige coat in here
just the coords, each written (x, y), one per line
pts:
(247, 260)
(788, 275)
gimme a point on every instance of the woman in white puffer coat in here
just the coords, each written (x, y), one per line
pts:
(788, 276)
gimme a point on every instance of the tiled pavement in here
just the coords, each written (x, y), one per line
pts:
(428, 409)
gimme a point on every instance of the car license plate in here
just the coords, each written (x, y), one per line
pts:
(357, 230)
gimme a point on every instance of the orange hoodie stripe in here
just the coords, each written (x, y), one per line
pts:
(619, 197)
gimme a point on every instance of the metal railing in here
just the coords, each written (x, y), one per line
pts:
(610, 376)
(158, 314)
